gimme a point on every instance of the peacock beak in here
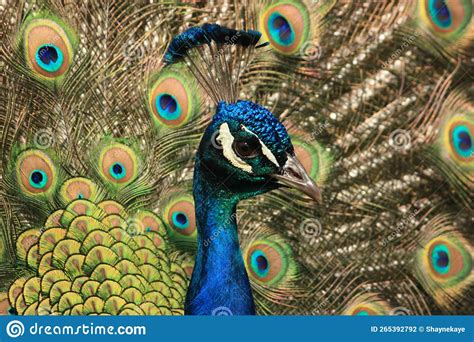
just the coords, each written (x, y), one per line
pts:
(293, 175)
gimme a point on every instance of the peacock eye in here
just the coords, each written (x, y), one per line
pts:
(118, 164)
(462, 140)
(260, 263)
(49, 57)
(117, 170)
(180, 220)
(440, 259)
(247, 149)
(38, 179)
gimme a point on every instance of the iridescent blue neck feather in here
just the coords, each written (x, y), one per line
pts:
(220, 281)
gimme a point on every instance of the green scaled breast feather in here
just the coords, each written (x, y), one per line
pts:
(98, 258)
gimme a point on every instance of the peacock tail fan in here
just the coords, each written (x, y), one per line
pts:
(79, 188)
(455, 137)
(336, 288)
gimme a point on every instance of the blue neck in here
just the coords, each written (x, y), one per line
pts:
(219, 284)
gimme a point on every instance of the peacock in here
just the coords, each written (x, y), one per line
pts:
(287, 157)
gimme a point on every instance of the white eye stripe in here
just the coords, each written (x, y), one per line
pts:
(226, 139)
(265, 150)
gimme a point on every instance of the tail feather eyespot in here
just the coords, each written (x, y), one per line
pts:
(173, 99)
(118, 164)
(286, 24)
(48, 46)
(36, 173)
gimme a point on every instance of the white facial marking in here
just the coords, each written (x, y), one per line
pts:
(265, 150)
(225, 138)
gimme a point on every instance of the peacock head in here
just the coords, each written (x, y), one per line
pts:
(246, 151)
